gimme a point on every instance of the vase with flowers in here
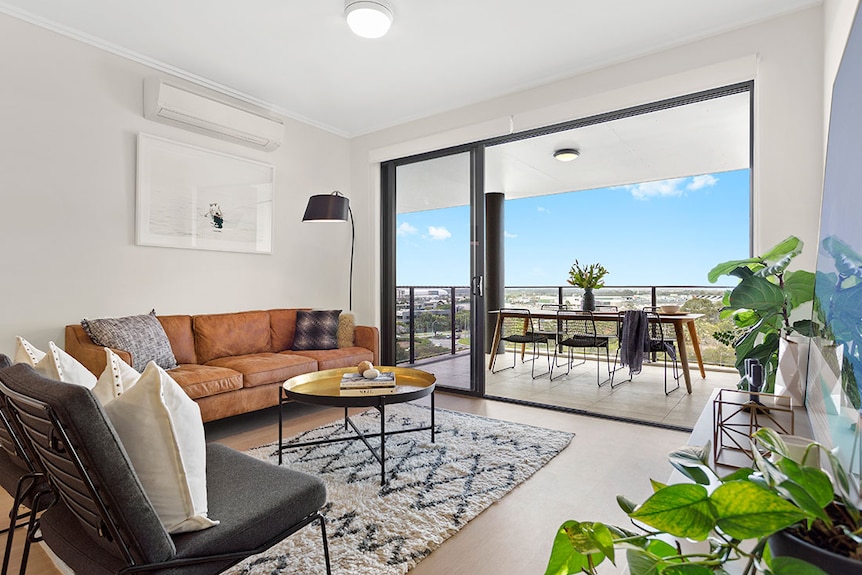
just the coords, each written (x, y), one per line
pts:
(587, 277)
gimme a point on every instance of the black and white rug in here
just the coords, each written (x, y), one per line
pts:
(434, 489)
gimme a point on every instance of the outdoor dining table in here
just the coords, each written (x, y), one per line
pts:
(680, 321)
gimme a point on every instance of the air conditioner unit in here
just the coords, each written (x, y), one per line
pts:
(173, 104)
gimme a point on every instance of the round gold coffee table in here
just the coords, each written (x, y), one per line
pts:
(323, 388)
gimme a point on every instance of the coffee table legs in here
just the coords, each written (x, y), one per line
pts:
(381, 456)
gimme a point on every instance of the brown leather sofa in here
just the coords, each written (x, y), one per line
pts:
(233, 363)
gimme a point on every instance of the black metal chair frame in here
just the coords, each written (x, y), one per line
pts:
(657, 343)
(555, 326)
(63, 447)
(31, 485)
(570, 336)
(528, 335)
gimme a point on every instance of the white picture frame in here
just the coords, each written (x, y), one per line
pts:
(190, 197)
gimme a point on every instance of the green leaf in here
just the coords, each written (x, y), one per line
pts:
(696, 474)
(813, 480)
(576, 548)
(626, 504)
(747, 511)
(793, 566)
(799, 285)
(642, 562)
(726, 268)
(758, 294)
(790, 246)
(682, 509)
(742, 473)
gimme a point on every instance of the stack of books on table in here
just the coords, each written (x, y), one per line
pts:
(356, 384)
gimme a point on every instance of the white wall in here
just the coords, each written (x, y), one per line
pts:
(784, 56)
(69, 118)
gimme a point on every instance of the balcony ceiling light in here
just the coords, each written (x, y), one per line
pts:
(566, 154)
(368, 18)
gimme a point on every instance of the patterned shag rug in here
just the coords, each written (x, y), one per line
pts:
(434, 489)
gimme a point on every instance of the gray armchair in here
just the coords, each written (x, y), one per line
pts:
(104, 523)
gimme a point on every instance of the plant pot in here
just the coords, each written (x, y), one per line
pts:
(785, 544)
(588, 302)
(792, 369)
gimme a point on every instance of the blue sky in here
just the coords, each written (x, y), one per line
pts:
(670, 232)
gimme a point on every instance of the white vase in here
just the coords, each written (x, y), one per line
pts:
(792, 369)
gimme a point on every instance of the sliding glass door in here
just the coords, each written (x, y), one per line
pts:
(433, 230)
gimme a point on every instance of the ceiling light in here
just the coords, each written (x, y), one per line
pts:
(368, 18)
(566, 154)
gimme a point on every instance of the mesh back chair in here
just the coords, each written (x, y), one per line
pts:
(549, 327)
(20, 477)
(516, 326)
(103, 522)
(578, 329)
(642, 334)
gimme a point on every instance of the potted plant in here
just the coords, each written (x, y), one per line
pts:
(761, 305)
(739, 515)
(588, 277)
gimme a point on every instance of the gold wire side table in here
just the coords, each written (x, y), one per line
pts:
(738, 414)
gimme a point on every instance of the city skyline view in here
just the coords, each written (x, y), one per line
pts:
(653, 233)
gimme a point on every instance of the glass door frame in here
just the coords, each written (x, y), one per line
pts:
(388, 239)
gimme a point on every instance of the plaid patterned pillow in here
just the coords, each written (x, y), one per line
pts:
(141, 335)
(316, 330)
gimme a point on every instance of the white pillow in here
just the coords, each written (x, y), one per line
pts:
(161, 429)
(25, 352)
(60, 366)
(117, 379)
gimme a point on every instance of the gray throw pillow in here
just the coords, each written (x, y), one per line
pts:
(316, 330)
(141, 335)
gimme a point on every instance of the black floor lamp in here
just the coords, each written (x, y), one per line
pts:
(332, 207)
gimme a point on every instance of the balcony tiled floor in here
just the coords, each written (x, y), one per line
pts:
(640, 400)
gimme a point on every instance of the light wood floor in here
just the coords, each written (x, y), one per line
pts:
(514, 535)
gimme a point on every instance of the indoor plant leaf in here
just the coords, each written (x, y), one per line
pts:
(725, 268)
(682, 509)
(574, 549)
(757, 293)
(790, 246)
(792, 566)
(746, 510)
(799, 285)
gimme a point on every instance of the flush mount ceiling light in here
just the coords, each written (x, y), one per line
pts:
(566, 154)
(368, 18)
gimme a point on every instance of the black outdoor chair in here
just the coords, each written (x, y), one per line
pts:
(103, 522)
(643, 336)
(578, 330)
(20, 477)
(549, 327)
(516, 326)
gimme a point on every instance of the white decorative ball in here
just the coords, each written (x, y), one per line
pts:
(370, 373)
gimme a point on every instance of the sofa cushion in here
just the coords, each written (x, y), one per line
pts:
(346, 326)
(178, 328)
(26, 352)
(141, 335)
(263, 368)
(282, 327)
(316, 329)
(334, 358)
(60, 366)
(162, 431)
(230, 334)
(206, 380)
(117, 378)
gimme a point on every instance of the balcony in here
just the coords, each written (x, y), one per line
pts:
(434, 334)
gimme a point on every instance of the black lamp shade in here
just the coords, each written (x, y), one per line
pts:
(326, 207)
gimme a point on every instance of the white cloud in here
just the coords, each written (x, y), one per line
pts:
(540, 209)
(406, 229)
(661, 188)
(699, 182)
(438, 233)
(509, 235)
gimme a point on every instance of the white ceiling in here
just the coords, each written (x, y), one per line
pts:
(298, 58)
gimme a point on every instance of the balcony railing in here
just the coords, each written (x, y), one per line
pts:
(434, 321)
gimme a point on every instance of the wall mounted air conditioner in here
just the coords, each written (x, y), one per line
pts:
(171, 103)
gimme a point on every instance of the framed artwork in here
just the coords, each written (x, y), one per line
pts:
(189, 197)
